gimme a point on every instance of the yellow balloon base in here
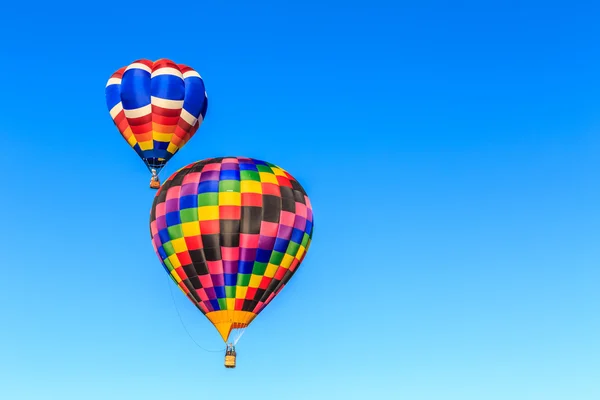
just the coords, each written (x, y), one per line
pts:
(227, 320)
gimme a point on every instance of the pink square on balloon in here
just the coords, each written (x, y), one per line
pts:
(268, 228)
(215, 267)
(230, 253)
(249, 241)
(205, 280)
(211, 167)
(287, 218)
(161, 209)
(193, 177)
(301, 209)
(173, 192)
(202, 295)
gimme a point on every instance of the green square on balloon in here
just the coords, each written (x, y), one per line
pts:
(276, 258)
(168, 248)
(246, 175)
(168, 264)
(229, 186)
(292, 248)
(208, 199)
(189, 215)
(175, 231)
(259, 268)
(264, 168)
(305, 239)
(243, 279)
(222, 304)
(230, 292)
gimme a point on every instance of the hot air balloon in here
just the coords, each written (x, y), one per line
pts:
(231, 232)
(157, 107)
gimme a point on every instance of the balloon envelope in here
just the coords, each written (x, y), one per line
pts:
(157, 107)
(231, 232)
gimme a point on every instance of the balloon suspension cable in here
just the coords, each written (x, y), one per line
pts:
(183, 324)
(240, 333)
(158, 170)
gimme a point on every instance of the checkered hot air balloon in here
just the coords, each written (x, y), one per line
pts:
(157, 107)
(231, 232)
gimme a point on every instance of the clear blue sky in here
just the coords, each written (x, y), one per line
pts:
(451, 155)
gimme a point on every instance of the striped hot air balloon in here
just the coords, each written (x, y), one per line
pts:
(157, 107)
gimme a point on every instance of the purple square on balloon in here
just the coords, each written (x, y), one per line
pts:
(209, 176)
(247, 254)
(300, 223)
(189, 189)
(230, 166)
(285, 232)
(172, 205)
(266, 242)
(210, 292)
(218, 279)
(230, 267)
(208, 305)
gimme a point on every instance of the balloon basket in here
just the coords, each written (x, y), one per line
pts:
(229, 361)
(154, 184)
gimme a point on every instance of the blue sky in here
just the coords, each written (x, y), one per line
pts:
(451, 155)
